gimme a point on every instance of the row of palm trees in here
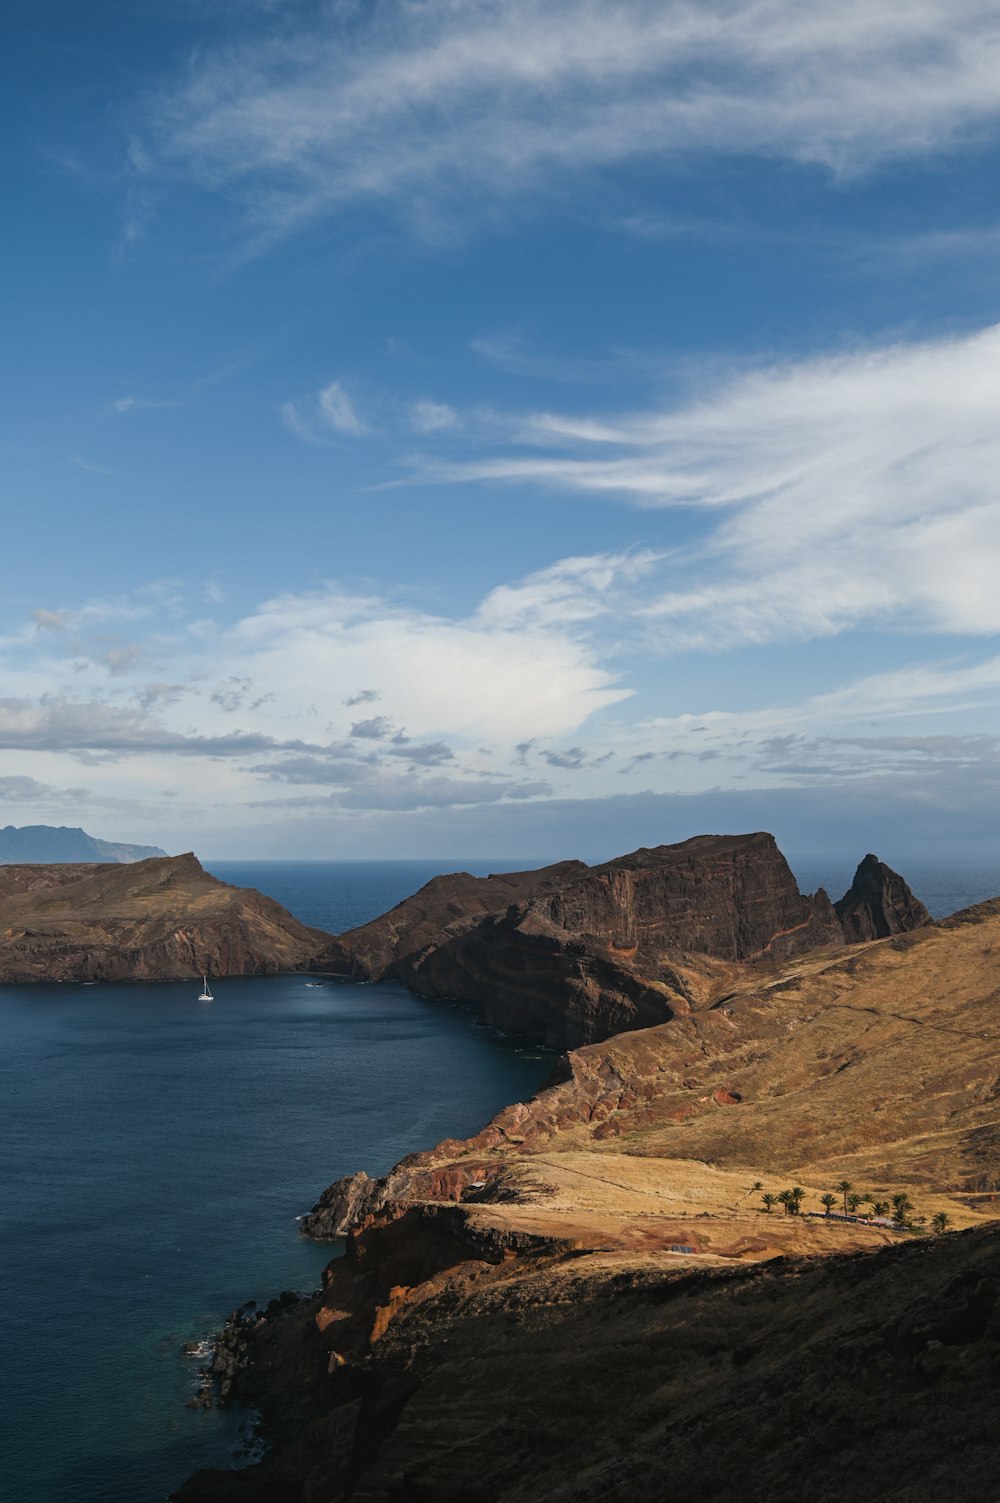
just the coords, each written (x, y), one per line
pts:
(899, 1209)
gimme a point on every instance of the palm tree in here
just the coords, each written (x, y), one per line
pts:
(796, 1196)
(784, 1198)
(902, 1209)
(769, 1201)
(758, 1184)
(828, 1201)
(880, 1208)
(940, 1222)
(853, 1201)
(845, 1187)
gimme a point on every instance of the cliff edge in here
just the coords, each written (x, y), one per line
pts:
(572, 953)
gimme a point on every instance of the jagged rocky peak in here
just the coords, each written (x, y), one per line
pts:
(879, 903)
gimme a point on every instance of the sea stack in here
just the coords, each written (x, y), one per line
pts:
(879, 903)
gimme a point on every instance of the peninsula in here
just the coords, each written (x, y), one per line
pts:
(165, 919)
(698, 1263)
(573, 953)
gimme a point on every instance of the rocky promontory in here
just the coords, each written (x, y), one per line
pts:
(571, 953)
(165, 919)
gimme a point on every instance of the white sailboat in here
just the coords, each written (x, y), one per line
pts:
(206, 991)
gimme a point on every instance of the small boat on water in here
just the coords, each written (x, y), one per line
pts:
(206, 991)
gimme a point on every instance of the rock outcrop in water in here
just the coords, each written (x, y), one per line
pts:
(160, 920)
(879, 903)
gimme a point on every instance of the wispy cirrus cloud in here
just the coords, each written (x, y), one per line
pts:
(856, 489)
(332, 410)
(406, 104)
(432, 417)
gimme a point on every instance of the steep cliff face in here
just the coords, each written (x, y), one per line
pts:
(158, 920)
(572, 953)
(879, 903)
(731, 896)
(441, 1367)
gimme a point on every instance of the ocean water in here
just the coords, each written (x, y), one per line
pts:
(154, 1155)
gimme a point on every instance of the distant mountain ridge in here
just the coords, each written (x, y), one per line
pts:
(49, 843)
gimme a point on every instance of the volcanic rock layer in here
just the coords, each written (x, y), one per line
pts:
(571, 954)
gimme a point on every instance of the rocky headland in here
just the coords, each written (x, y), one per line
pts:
(600, 1295)
(571, 954)
(164, 919)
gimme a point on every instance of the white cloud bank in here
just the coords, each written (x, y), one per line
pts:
(405, 103)
(258, 723)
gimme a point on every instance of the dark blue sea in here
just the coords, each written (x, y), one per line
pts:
(155, 1154)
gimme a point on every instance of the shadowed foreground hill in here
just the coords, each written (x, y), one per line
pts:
(159, 920)
(560, 1378)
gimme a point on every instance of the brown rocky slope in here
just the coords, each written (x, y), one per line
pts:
(158, 920)
(588, 1300)
(879, 1063)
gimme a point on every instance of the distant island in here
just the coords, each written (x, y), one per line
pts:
(31, 843)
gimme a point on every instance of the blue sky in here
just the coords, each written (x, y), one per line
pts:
(476, 429)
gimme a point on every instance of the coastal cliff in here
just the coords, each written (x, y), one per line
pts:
(164, 919)
(571, 954)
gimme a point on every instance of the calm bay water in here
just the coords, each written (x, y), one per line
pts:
(154, 1156)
